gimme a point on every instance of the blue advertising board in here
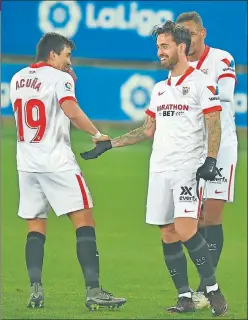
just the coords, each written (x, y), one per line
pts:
(125, 97)
(240, 100)
(118, 29)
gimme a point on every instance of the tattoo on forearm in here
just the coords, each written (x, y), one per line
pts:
(214, 135)
(134, 136)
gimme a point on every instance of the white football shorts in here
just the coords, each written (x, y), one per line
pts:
(64, 191)
(172, 194)
(223, 186)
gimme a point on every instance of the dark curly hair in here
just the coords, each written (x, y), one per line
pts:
(180, 34)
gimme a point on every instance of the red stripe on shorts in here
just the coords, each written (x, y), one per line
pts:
(230, 181)
(84, 194)
(199, 203)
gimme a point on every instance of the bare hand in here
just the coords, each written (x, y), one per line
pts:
(103, 137)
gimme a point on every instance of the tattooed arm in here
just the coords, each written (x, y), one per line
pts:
(213, 125)
(132, 137)
(136, 135)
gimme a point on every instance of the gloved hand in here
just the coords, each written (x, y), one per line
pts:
(71, 72)
(99, 149)
(208, 170)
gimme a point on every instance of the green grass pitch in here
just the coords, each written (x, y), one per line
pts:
(130, 251)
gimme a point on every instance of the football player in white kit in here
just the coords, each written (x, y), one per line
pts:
(44, 103)
(178, 111)
(220, 66)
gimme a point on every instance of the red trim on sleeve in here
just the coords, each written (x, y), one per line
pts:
(212, 109)
(67, 98)
(83, 191)
(227, 75)
(203, 57)
(230, 182)
(150, 113)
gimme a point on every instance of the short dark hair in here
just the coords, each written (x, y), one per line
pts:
(180, 34)
(190, 16)
(52, 42)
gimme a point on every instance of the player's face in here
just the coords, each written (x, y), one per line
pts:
(198, 35)
(167, 51)
(62, 60)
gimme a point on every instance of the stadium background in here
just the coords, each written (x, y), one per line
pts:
(117, 67)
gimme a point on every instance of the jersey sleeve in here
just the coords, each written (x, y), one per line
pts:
(226, 77)
(65, 88)
(151, 111)
(209, 96)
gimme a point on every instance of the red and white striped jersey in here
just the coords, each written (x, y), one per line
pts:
(43, 130)
(179, 105)
(220, 66)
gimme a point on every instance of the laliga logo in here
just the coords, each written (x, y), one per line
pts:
(64, 17)
(142, 20)
(59, 16)
(135, 96)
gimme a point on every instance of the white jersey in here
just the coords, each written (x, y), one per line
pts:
(220, 66)
(36, 93)
(179, 105)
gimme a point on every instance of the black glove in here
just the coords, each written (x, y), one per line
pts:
(208, 170)
(101, 147)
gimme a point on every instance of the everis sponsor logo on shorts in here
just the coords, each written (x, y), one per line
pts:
(170, 110)
(219, 177)
(65, 16)
(186, 194)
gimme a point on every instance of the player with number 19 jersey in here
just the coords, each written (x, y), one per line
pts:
(43, 129)
(49, 175)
